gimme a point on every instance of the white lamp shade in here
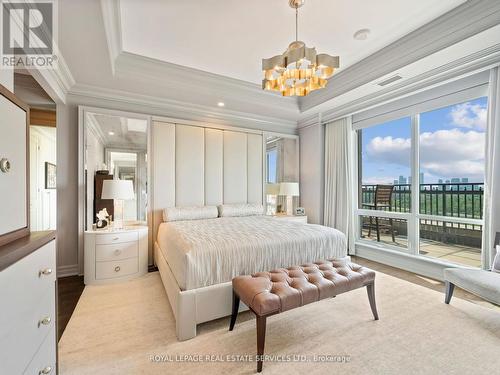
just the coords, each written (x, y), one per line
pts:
(289, 189)
(272, 189)
(117, 189)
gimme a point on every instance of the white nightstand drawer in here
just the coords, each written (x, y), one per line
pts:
(109, 238)
(118, 268)
(116, 251)
(44, 361)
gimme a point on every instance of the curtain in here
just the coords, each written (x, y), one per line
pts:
(492, 170)
(338, 178)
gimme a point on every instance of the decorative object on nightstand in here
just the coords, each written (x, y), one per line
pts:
(103, 219)
(300, 211)
(115, 255)
(119, 191)
(290, 190)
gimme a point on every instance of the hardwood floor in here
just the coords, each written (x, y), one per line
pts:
(69, 291)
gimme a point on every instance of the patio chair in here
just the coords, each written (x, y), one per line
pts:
(382, 201)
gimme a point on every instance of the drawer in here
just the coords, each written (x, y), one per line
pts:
(117, 268)
(44, 361)
(28, 326)
(116, 251)
(109, 238)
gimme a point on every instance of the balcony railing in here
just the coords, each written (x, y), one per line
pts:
(460, 200)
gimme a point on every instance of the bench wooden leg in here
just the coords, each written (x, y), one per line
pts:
(450, 287)
(261, 339)
(370, 288)
(234, 314)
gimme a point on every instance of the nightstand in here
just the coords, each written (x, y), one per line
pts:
(115, 255)
(298, 219)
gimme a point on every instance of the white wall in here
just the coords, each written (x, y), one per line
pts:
(43, 206)
(312, 172)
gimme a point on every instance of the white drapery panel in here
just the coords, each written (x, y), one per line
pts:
(492, 170)
(338, 177)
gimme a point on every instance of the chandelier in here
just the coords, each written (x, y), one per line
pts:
(299, 70)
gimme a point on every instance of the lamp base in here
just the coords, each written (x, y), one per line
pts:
(289, 205)
(118, 206)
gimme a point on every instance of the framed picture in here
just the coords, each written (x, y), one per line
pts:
(50, 175)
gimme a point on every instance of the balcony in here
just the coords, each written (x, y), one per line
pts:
(451, 241)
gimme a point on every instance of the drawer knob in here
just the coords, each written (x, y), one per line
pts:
(45, 371)
(117, 269)
(116, 239)
(45, 321)
(118, 252)
(5, 165)
(45, 272)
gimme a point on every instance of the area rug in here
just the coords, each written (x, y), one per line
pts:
(129, 328)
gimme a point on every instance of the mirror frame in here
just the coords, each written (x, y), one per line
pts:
(82, 140)
(265, 135)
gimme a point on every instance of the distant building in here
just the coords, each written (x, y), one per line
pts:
(440, 181)
(421, 177)
(396, 182)
(402, 180)
(465, 180)
(455, 180)
(447, 181)
(409, 180)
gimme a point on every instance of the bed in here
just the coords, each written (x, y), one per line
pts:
(197, 259)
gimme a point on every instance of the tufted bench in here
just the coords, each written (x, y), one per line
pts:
(269, 293)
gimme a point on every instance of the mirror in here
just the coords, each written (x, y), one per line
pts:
(282, 166)
(116, 147)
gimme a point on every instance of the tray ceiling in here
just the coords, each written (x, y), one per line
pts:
(231, 37)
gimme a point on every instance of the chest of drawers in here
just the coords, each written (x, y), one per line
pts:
(28, 313)
(112, 256)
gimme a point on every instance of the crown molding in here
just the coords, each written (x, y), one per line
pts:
(176, 78)
(456, 69)
(157, 106)
(112, 26)
(462, 22)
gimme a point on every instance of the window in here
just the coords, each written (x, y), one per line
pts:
(385, 172)
(421, 177)
(272, 167)
(452, 152)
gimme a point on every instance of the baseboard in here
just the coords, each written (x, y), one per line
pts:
(69, 270)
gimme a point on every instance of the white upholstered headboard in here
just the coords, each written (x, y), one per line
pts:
(194, 165)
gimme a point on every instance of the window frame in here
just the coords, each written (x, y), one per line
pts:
(438, 98)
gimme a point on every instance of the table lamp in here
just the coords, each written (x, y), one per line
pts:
(119, 191)
(290, 190)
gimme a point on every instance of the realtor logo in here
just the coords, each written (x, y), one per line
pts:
(28, 34)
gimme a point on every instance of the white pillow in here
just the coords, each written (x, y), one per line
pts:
(190, 213)
(496, 261)
(243, 209)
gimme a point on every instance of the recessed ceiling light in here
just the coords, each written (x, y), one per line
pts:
(221, 104)
(111, 133)
(361, 34)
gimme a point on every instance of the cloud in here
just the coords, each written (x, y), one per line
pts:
(444, 153)
(467, 115)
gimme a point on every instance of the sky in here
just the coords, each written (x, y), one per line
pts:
(451, 145)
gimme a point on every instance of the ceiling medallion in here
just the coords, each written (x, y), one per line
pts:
(299, 70)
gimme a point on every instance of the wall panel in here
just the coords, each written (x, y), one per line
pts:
(235, 167)
(254, 168)
(163, 135)
(189, 166)
(214, 174)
